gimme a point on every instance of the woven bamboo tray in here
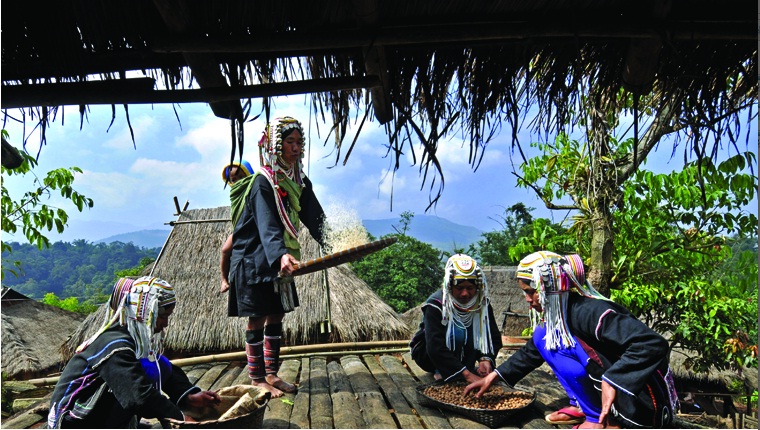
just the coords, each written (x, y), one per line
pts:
(491, 418)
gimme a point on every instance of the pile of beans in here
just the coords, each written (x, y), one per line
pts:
(496, 398)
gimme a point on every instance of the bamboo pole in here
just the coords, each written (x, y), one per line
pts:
(197, 221)
(287, 351)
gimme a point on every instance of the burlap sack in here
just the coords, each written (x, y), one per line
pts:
(241, 406)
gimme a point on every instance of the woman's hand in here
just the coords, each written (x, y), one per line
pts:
(481, 385)
(287, 262)
(608, 397)
(225, 286)
(202, 399)
(484, 368)
(470, 377)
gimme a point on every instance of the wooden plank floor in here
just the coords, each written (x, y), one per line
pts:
(352, 391)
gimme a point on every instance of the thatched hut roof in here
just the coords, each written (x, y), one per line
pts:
(190, 262)
(31, 334)
(716, 380)
(508, 301)
(427, 69)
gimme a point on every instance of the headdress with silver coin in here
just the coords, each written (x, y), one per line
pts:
(554, 276)
(461, 267)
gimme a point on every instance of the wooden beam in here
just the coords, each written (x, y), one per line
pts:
(167, 53)
(90, 64)
(204, 66)
(439, 35)
(120, 92)
(368, 16)
(643, 56)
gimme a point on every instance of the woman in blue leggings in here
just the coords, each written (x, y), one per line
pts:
(614, 368)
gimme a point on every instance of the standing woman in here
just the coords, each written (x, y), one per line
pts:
(267, 209)
(613, 367)
(458, 328)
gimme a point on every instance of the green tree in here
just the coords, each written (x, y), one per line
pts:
(404, 274)
(589, 176)
(670, 255)
(80, 269)
(70, 304)
(521, 234)
(29, 213)
(136, 270)
(405, 221)
(493, 248)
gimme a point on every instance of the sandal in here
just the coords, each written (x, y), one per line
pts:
(575, 417)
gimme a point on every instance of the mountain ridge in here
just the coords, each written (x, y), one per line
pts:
(438, 232)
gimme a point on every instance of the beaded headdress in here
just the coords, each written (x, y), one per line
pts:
(270, 149)
(460, 267)
(553, 277)
(136, 304)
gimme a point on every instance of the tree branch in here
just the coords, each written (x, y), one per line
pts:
(547, 202)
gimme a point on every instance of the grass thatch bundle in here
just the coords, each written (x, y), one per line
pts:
(428, 70)
(32, 332)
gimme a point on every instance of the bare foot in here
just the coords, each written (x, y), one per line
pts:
(588, 425)
(274, 392)
(278, 383)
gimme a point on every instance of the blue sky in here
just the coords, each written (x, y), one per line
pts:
(133, 187)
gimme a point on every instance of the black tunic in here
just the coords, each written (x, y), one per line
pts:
(633, 358)
(105, 386)
(429, 349)
(258, 244)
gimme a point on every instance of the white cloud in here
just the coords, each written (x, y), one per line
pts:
(143, 126)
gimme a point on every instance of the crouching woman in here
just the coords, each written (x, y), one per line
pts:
(118, 375)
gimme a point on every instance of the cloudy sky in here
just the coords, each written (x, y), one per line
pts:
(133, 185)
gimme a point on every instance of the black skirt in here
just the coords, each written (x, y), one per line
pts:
(256, 300)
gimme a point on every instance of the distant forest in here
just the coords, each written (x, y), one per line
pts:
(79, 269)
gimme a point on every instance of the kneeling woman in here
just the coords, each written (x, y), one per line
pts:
(117, 375)
(613, 367)
(458, 328)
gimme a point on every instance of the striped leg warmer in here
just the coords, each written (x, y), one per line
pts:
(254, 352)
(272, 340)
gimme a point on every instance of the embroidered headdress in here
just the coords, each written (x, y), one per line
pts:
(270, 149)
(137, 304)
(553, 277)
(460, 267)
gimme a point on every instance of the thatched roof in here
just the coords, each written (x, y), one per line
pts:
(190, 262)
(508, 301)
(719, 379)
(31, 334)
(427, 69)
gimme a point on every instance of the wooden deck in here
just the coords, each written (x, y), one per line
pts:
(356, 391)
(353, 389)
